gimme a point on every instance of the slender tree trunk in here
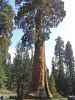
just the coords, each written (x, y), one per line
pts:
(20, 89)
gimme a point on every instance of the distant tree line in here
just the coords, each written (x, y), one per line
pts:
(63, 68)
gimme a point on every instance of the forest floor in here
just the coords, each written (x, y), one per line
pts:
(4, 92)
(7, 93)
(49, 99)
(59, 99)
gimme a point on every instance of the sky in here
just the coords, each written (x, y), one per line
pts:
(65, 30)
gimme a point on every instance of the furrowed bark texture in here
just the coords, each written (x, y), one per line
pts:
(40, 81)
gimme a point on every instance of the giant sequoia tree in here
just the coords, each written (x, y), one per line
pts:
(36, 18)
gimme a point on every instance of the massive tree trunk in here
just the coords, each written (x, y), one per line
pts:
(39, 77)
(40, 81)
(39, 66)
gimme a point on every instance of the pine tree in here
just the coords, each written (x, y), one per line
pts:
(53, 79)
(6, 26)
(69, 61)
(59, 60)
(22, 71)
(59, 54)
(36, 18)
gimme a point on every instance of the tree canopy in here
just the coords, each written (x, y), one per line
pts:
(50, 13)
(6, 18)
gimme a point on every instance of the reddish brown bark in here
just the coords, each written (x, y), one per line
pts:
(39, 75)
(40, 70)
(39, 66)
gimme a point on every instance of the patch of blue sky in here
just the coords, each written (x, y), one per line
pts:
(12, 3)
(17, 33)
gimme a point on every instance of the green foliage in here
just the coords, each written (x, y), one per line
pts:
(37, 3)
(63, 68)
(6, 26)
(4, 42)
(3, 77)
(69, 58)
(58, 65)
(24, 10)
(53, 88)
(59, 47)
(45, 14)
(69, 61)
(6, 19)
(23, 69)
(59, 56)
